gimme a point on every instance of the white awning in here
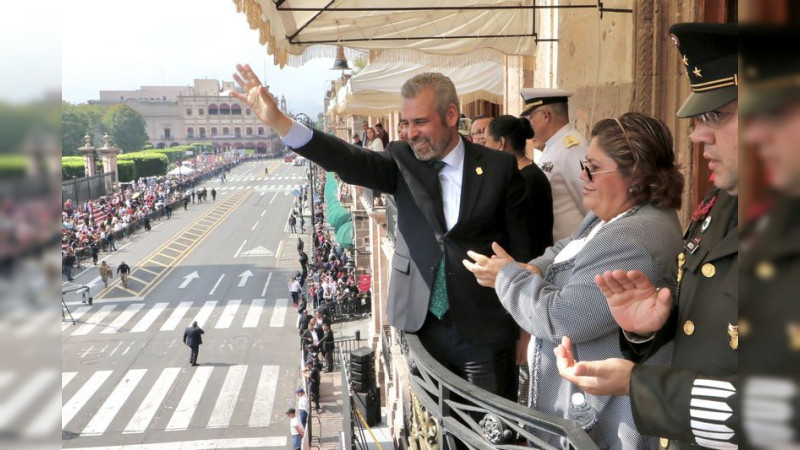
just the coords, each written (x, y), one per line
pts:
(376, 89)
(443, 27)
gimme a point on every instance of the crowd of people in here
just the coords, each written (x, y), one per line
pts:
(94, 226)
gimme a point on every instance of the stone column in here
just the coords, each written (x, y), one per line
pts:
(108, 155)
(87, 151)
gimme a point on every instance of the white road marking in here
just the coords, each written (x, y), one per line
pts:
(254, 226)
(77, 314)
(205, 312)
(150, 405)
(261, 414)
(176, 316)
(240, 249)
(149, 318)
(46, 420)
(211, 292)
(103, 417)
(191, 398)
(254, 313)
(278, 313)
(96, 318)
(228, 314)
(25, 396)
(71, 408)
(273, 198)
(266, 285)
(188, 279)
(263, 212)
(123, 318)
(66, 377)
(244, 276)
(228, 397)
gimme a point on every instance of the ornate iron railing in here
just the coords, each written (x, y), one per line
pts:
(391, 218)
(446, 410)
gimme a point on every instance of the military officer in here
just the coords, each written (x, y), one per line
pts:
(770, 314)
(564, 149)
(696, 400)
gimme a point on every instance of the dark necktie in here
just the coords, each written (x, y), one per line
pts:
(438, 303)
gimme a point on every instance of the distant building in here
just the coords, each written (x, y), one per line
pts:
(203, 113)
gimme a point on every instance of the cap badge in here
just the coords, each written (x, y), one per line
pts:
(733, 336)
(685, 60)
(479, 170)
(697, 72)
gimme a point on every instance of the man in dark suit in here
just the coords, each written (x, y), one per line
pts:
(327, 346)
(452, 196)
(192, 336)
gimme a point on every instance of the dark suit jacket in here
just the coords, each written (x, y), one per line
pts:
(492, 210)
(326, 343)
(193, 336)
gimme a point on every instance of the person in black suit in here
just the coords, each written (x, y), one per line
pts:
(452, 196)
(192, 336)
(327, 346)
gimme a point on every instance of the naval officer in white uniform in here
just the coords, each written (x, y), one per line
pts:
(564, 150)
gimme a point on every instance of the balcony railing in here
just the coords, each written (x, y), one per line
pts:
(391, 218)
(448, 412)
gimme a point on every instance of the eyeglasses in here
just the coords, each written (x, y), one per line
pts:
(590, 174)
(478, 133)
(714, 118)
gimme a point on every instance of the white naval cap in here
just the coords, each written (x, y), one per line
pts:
(535, 97)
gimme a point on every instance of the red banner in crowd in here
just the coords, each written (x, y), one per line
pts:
(364, 282)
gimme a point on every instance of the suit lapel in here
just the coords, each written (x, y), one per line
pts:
(423, 183)
(471, 181)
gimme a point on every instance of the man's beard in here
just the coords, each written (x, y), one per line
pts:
(434, 150)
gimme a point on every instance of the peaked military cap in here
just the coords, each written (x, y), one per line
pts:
(771, 72)
(535, 97)
(709, 53)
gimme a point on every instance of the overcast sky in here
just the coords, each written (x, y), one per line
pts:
(115, 45)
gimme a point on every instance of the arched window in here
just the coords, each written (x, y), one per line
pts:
(224, 110)
(249, 131)
(213, 110)
(236, 110)
(188, 111)
(237, 131)
(200, 111)
(213, 131)
(202, 132)
(260, 131)
(225, 131)
(190, 132)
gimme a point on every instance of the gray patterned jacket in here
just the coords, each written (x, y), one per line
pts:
(566, 302)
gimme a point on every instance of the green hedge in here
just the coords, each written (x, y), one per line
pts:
(12, 166)
(72, 167)
(126, 170)
(147, 163)
(176, 153)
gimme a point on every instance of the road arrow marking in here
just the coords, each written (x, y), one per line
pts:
(188, 279)
(244, 277)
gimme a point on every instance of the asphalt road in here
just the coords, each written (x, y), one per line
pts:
(126, 379)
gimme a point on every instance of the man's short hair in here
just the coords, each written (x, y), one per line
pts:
(379, 125)
(480, 116)
(443, 90)
(291, 411)
(560, 109)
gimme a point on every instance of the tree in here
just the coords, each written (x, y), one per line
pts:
(126, 127)
(76, 121)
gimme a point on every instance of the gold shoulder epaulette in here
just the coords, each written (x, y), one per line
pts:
(571, 141)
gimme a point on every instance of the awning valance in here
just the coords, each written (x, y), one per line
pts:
(376, 89)
(445, 27)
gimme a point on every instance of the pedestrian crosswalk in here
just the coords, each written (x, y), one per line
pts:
(265, 188)
(141, 317)
(261, 178)
(148, 400)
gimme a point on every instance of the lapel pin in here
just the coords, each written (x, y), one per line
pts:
(479, 170)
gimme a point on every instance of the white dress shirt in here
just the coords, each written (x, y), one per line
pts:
(450, 176)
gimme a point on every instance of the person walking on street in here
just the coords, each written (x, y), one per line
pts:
(168, 209)
(213, 195)
(94, 247)
(292, 223)
(302, 220)
(186, 202)
(294, 290)
(123, 270)
(146, 222)
(295, 428)
(300, 245)
(192, 336)
(110, 238)
(194, 196)
(266, 174)
(69, 264)
(327, 345)
(105, 273)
